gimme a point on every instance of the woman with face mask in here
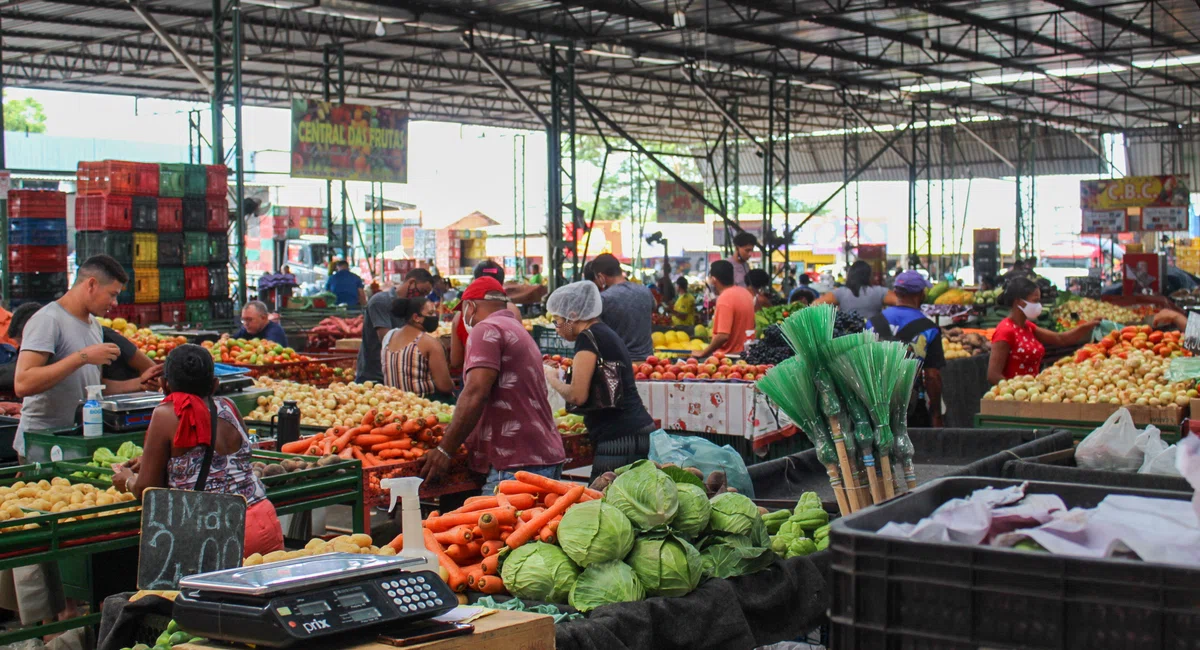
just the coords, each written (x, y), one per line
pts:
(620, 435)
(1018, 344)
(413, 360)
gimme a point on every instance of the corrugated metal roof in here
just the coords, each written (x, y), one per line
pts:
(819, 159)
(1148, 152)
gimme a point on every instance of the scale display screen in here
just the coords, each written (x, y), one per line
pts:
(361, 615)
(353, 599)
(309, 609)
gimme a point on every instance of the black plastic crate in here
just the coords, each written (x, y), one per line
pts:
(218, 281)
(218, 247)
(145, 213)
(38, 286)
(890, 593)
(195, 215)
(170, 249)
(116, 244)
(222, 309)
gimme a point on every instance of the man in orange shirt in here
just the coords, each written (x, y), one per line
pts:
(734, 315)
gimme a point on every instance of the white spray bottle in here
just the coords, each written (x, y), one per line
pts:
(406, 488)
(93, 416)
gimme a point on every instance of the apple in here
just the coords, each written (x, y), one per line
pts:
(718, 354)
(726, 362)
(545, 357)
(735, 375)
(652, 360)
(748, 376)
(712, 361)
(670, 376)
(566, 363)
(689, 375)
(704, 375)
(655, 376)
(760, 369)
(720, 376)
(741, 363)
(641, 376)
(710, 368)
(556, 357)
(645, 369)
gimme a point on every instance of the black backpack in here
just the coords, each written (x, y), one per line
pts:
(918, 407)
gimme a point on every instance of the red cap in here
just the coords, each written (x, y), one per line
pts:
(485, 288)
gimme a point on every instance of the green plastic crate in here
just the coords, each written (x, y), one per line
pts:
(170, 283)
(195, 180)
(115, 244)
(198, 311)
(195, 249)
(41, 446)
(171, 180)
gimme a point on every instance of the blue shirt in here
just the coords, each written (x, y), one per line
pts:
(272, 332)
(344, 285)
(928, 344)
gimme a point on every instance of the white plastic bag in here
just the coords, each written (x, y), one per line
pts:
(1161, 463)
(1112, 446)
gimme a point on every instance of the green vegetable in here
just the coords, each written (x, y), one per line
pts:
(694, 510)
(682, 476)
(733, 513)
(605, 583)
(105, 457)
(172, 626)
(539, 571)
(774, 519)
(821, 533)
(725, 556)
(593, 532)
(801, 546)
(779, 545)
(822, 543)
(140, 646)
(666, 565)
(809, 501)
(517, 605)
(810, 519)
(1029, 545)
(128, 450)
(180, 637)
(647, 496)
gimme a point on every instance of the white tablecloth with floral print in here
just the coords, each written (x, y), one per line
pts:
(725, 408)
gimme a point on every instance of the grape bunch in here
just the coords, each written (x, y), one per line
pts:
(771, 348)
(848, 322)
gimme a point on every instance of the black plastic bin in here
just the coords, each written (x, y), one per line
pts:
(8, 431)
(1030, 470)
(892, 593)
(939, 452)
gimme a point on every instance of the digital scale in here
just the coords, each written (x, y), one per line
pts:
(308, 598)
(129, 412)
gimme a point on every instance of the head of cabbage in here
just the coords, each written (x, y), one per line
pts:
(733, 513)
(595, 531)
(605, 583)
(539, 571)
(691, 518)
(666, 565)
(647, 496)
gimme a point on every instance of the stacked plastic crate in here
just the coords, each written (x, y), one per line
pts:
(155, 220)
(37, 245)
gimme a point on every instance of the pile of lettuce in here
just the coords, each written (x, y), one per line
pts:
(655, 533)
(104, 458)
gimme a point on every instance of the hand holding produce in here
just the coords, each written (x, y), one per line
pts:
(105, 458)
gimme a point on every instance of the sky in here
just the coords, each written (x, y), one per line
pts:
(457, 169)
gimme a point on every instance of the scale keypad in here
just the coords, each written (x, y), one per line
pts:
(413, 594)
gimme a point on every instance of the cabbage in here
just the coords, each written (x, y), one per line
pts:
(593, 532)
(539, 571)
(692, 516)
(726, 556)
(604, 583)
(647, 496)
(733, 513)
(666, 565)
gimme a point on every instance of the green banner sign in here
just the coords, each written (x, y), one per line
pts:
(349, 142)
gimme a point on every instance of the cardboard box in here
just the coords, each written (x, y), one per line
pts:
(1071, 412)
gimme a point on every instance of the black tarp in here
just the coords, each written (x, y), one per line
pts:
(938, 453)
(780, 603)
(964, 381)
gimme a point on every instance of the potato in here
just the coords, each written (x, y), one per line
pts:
(254, 559)
(314, 543)
(363, 540)
(274, 556)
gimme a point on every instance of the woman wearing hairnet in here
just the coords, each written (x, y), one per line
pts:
(619, 435)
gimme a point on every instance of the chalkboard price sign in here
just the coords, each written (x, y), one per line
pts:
(186, 532)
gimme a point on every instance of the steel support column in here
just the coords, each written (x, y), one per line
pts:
(561, 203)
(1027, 134)
(333, 61)
(227, 45)
(851, 160)
(6, 283)
(920, 217)
(768, 179)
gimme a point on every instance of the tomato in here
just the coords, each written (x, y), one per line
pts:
(1156, 337)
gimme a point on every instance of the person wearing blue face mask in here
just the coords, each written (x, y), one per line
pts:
(1018, 345)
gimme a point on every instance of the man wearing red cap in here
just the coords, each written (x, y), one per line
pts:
(503, 405)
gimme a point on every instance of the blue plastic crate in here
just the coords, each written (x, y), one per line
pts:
(37, 232)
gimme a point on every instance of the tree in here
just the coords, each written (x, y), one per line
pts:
(25, 115)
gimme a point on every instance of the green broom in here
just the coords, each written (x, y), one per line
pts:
(900, 399)
(855, 421)
(831, 407)
(871, 371)
(790, 385)
(809, 332)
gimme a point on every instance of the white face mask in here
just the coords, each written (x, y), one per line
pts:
(466, 324)
(1032, 310)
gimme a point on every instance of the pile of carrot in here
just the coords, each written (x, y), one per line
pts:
(468, 541)
(381, 437)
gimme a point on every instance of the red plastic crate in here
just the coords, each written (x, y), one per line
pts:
(120, 311)
(37, 204)
(145, 315)
(41, 259)
(218, 181)
(195, 282)
(170, 215)
(173, 313)
(145, 179)
(107, 177)
(218, 215)
(103, 213)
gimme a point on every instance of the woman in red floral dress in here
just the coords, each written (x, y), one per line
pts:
(1018, 344)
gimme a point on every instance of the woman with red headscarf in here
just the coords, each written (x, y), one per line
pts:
(197, 441)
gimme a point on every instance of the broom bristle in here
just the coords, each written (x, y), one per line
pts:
(871, 371)
(809, 331)
(790, 385)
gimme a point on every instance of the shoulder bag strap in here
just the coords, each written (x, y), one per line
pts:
(595, 344)
(202, 480)
(909, 332)
(883, 329)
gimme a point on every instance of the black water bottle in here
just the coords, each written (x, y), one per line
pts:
(289, 424)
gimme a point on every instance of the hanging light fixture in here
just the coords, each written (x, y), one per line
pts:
(380, 30)
(680, 19)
